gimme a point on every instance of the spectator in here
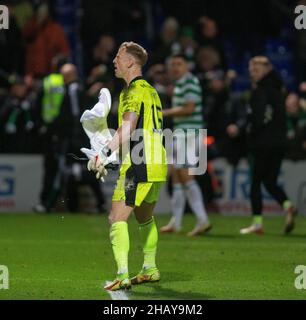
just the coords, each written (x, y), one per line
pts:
(225, 118)
(157, 74)
(45, 39)
(208, 59)
(296, 126)
(101, 73)
(61, 136)
(104, 51)
(16, 117)
(188, 46)
(101, 69)
(23, 11)
(167, 43)
(208, 35)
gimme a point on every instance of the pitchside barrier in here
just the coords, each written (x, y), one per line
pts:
(21, 177)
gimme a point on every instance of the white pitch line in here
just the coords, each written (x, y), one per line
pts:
(118, 294)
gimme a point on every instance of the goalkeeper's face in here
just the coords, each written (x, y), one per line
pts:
(122, 63)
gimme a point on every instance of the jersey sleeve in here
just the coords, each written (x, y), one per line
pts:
(192, 92)
(132, 102)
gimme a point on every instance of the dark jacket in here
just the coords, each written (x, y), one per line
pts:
(67, 124)
(267, 121)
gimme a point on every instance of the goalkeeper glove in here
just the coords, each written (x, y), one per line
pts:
(98, 162)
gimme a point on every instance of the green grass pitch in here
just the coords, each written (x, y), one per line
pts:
(69, 257)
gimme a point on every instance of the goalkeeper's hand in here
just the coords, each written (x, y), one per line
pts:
(97, 165)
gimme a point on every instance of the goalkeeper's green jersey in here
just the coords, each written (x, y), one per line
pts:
(146, 158)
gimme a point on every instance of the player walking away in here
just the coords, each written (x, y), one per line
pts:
(266, 140)
(138, 185)
(187, 114)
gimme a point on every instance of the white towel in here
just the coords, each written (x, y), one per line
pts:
(94, 122)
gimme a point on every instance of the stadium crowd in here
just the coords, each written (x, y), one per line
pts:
(38, 56)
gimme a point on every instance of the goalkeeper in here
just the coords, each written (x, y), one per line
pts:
(139, 182)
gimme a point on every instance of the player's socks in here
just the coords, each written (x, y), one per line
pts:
(255, 227)
(122, 276)
(257, 220)
(178, 201)
(120, 241)
(195, 201)
(287, 204)
(291, 212)
(149, 238)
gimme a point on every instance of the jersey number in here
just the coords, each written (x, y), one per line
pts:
(157, 115)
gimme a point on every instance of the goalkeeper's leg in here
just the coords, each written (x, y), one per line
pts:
(119, 237)
(149, 238)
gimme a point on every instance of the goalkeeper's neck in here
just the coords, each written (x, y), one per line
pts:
(132, 74)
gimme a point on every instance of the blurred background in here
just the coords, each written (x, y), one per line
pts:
(57, 55)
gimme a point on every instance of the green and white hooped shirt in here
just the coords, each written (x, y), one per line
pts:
(188, 89)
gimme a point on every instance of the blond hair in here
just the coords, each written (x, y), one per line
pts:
(137, 51)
